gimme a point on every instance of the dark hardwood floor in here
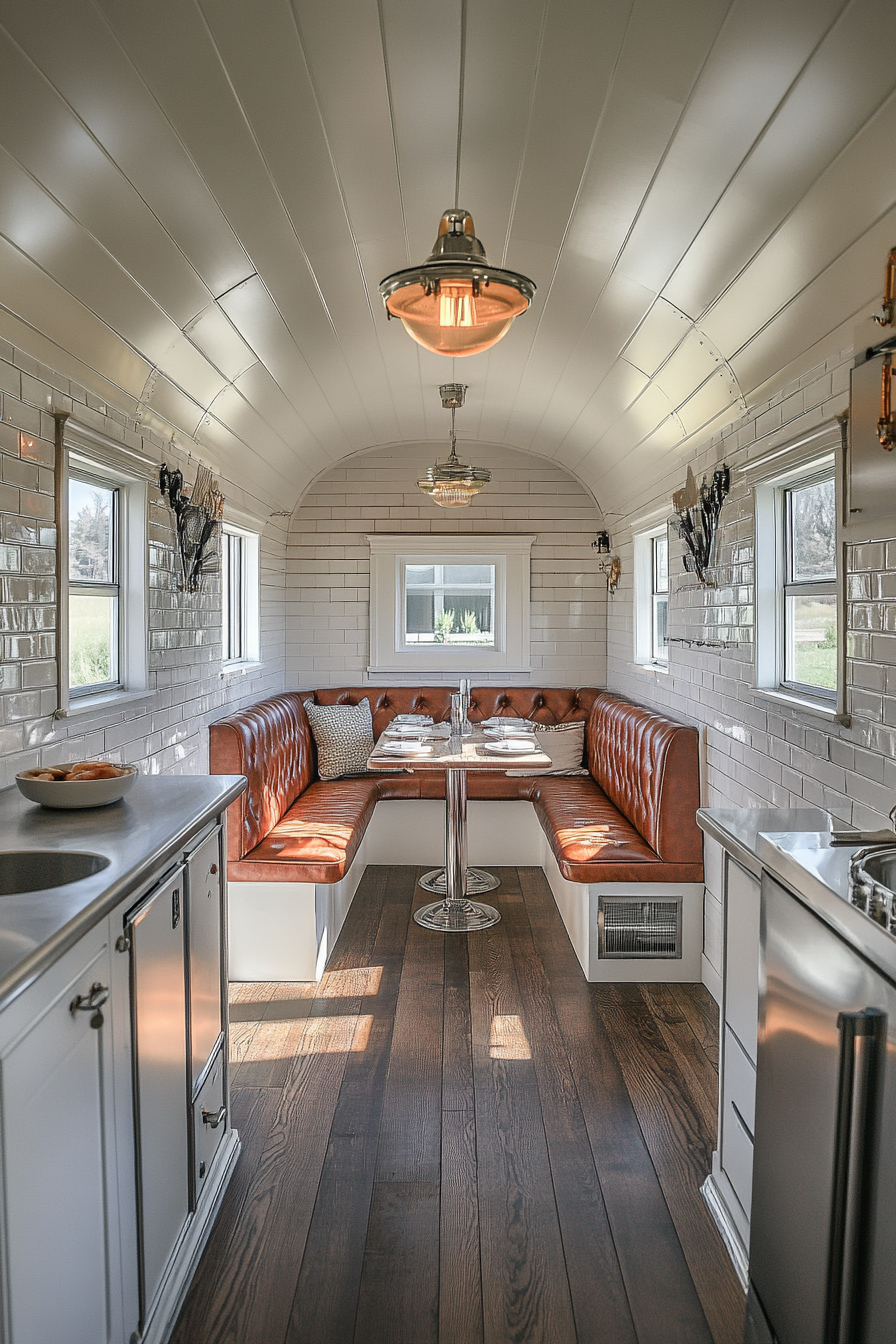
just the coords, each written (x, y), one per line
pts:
(457, 1140)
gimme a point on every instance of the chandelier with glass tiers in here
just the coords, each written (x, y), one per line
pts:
(453, 484)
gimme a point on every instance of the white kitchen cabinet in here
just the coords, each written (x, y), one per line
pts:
(60, 1216)
(728, 1188)
(115, 1137)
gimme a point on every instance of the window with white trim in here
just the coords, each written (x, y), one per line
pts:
(102, 540)
(449, 603)
(808, 607)
(651, 564)
(94, 592)
(798, 603)
(239, 595)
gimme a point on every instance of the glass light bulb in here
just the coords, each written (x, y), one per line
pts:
(457, 307)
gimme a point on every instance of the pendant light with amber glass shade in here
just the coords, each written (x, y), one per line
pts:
(455, 303)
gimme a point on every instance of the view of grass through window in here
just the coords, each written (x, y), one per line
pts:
(810, 600)
(93, 589)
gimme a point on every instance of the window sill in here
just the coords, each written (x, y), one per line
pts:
(99, 704)
(819, 709)
(231, 670)
(662, 668)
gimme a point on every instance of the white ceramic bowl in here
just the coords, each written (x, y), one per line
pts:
(66, 793)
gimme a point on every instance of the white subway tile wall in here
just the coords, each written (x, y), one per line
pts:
(758, 753)
(328, 563)
(165, 730)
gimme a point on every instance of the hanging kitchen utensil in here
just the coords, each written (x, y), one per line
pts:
(197, 515)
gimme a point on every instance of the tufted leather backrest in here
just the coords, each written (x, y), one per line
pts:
(269, 743)
(648, 766)
(387, 701)
(553, 704)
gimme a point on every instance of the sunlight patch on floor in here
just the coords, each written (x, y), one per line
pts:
(507, 1039)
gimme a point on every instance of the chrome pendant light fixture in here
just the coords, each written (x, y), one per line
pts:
(455, 303)
(453, 484)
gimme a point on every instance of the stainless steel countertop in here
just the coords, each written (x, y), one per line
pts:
(818, 875)
(738, 829)
(794, 845)
(141, 834)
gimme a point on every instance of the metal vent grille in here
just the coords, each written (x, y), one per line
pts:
(628, 927)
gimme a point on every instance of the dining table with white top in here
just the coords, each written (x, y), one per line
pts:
(433, 748)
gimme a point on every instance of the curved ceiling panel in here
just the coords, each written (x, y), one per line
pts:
(198, 199)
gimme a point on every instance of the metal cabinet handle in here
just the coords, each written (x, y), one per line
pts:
(213, 1118)
(91, 1003)
(863, 1039)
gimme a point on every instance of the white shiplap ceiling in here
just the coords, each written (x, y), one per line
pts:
(198, 199)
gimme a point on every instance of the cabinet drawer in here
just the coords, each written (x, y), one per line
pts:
(210, 1124)
(738, 1118)
(739, 1080)
(742, 955)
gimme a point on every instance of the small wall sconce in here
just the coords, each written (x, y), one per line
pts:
(601, 543)
(612, 568)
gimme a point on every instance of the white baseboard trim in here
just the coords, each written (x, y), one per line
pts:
(729, 1233)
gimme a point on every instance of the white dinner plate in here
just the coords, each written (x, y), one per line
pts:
(510, 747)
(406, 748)
(415, 730)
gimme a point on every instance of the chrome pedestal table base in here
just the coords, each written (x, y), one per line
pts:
(476, 883)
(456, 913)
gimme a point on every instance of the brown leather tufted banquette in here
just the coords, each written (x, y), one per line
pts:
(633, 820)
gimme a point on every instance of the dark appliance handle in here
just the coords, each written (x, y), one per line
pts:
(863, 1037)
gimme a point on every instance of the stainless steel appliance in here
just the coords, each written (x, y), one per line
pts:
(823, 1229)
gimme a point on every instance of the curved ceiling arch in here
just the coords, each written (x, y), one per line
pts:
(198, 199)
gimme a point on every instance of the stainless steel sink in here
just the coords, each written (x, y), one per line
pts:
(24, 870)
(872, 884)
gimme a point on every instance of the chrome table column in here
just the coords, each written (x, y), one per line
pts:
(456, 913)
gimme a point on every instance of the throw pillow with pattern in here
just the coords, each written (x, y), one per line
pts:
(343, 735)
(564, 743)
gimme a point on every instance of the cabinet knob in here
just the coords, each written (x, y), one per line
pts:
(91, 1003)
(214, 868)
(213, 1118)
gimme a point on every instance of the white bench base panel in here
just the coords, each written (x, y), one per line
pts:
(285, 931)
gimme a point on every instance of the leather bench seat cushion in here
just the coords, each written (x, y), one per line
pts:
(316, 839)
(593, 842)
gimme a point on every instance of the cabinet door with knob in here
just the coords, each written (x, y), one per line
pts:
(60, 1228)
(155, 934)
(205, 909)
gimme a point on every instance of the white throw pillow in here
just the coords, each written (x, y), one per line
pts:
(564, 743)
(343, 735)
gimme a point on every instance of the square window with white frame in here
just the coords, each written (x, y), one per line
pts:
(456, 604)
(239, 595)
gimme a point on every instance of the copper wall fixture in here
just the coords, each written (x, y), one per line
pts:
(886, 425)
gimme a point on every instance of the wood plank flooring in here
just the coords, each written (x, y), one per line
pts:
(457, 1140)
